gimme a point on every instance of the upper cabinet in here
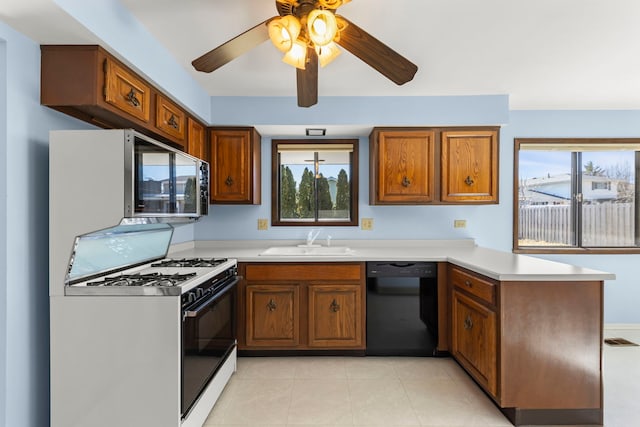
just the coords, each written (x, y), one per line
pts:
(414, 166)
(196, 139)
(235, 166)
(125, 91)
(402, 166)
(469, 166)
(88, 83)
(170, 119)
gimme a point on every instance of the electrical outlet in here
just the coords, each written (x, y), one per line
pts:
(366, 223)
(459, 223)
(263, 223)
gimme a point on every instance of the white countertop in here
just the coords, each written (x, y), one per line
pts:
(498, 265)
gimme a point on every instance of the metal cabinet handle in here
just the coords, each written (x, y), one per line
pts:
(229, 181)
(468, 181)
(335, 307)
(132, 99)
(468, 322)
(271, 305)
(468, 284)
(172, 122)
(406, 181)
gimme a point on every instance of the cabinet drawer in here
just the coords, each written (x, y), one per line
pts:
(480, 287)
(126, 91)
(307, 272)
(170, 119)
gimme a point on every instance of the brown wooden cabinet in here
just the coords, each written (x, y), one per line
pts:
(301, 306)
(235, 166)
(126, 91)
(402, 166)
(433, 165)
(469, 167)
(170, 119)
(196, 139)
(473, 338)
(273, 315)
(335, 318)
(534, 347)
(86, 82)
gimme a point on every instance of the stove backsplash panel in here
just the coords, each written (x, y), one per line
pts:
(118, 247)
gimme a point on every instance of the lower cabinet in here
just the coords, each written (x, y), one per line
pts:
(335, 315)
(474, 339)
(534, 346)
(273, 315)
(298, 306)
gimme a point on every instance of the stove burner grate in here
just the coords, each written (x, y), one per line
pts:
(148, 279)
(190, 262)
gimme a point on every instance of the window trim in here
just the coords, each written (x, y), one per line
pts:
(516, 248)
(275, 180)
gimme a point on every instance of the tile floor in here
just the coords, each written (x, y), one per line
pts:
(392, 392)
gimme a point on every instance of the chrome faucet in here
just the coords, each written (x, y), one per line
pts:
(312, 236)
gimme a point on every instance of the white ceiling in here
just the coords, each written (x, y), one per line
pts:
(544, 54)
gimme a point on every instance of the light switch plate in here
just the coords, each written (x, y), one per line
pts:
(263, 223)
(459, 223)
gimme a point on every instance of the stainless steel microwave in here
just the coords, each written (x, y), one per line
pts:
(163, 182)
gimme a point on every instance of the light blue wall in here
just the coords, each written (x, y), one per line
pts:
(24, 213)
(24, 128)
(621, 295)
(489, 225)
(3, 228)
(126, 37)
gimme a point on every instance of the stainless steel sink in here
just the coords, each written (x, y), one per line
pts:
(304, 250)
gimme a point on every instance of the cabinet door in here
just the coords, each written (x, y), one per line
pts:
(126, 91)
(402, 164)
(235, 160)
(473, 339)
(335, 316)
(170, 118)
(195, 139)
(469, 166)
(272, 315)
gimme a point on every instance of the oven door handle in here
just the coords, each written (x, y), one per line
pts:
(201, 307)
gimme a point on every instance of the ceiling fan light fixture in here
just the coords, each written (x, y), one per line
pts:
(322, 27)
(326, 54)
(331, 4)
(284, 31)
(297, 55)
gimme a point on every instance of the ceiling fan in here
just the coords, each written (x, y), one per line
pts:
(308, 32)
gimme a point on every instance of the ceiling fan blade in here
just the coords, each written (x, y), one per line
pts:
(232, 49)
(375, 53)
(307, 80)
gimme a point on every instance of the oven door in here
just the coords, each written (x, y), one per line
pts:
(208, 337)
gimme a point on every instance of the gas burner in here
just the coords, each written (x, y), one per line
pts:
(190, 262)
(148, 279)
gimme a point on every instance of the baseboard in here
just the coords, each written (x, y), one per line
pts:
(621, 326)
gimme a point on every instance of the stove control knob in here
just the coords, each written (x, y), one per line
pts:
(199, 292)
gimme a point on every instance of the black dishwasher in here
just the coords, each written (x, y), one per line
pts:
(402, 308)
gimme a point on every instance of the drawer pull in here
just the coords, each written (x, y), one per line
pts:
(468, 181)
(468, 284)
(271, 305)
(406, 181)
(132, 99)
(468, 323)
(229, 181)
(172, 122)
(335, 307)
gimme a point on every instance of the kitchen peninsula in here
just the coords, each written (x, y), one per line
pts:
(527, 330)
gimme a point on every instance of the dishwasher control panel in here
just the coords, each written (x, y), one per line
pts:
(401, 269)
